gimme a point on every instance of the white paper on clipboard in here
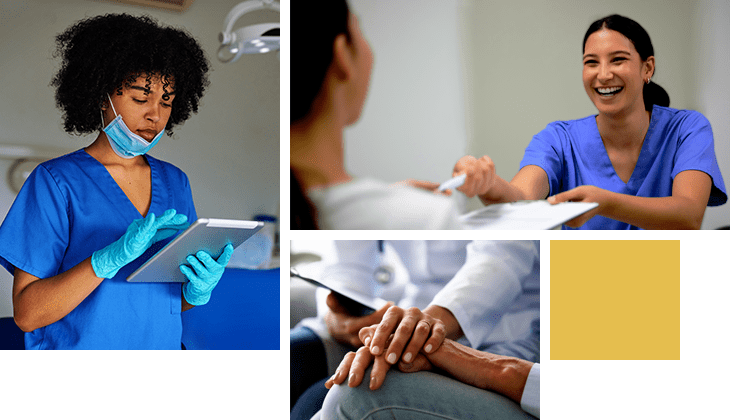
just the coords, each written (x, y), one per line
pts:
(521, 215)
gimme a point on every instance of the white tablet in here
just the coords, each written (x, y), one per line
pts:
(209, 235)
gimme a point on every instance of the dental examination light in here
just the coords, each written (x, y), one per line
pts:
(252, 39)
(24, 159)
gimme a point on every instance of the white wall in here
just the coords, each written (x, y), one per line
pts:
(527, 66)
(712, 60)
(478, 77)
(229, 150)
(413, 122)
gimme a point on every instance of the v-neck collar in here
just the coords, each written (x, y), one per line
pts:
(116, 193)
(643, 163)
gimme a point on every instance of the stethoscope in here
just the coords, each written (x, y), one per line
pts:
(383, 274)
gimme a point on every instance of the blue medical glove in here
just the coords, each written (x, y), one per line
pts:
(203, 280)
(140, 235)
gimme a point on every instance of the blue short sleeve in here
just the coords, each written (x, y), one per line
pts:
(38, 221)
(546, 151)
(696, 151)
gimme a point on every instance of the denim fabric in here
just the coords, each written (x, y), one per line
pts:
(418, 396)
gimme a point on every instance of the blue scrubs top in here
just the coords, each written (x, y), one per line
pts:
(572, 154)
(70, 207)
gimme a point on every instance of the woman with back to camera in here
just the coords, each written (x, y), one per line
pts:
(647, 166)
(84, 221)
(331, 65)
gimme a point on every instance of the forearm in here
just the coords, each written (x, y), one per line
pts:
(503, 192)
(40, 302)
(501, 374)
(654, 212)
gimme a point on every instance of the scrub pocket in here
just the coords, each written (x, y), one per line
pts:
(176, 298)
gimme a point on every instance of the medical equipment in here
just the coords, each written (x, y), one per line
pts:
(174, 5)
(140, 235)
(252, 39)
(355, 303)
(209, 235)
(203, 280)
(25, 158)
(454, 182)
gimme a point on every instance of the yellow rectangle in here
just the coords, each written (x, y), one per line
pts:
(614, 300)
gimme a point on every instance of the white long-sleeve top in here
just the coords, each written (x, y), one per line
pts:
(531, 394)
(491, 287)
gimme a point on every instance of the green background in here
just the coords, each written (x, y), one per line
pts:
(255, 384)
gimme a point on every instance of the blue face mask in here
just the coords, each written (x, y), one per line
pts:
(124, 142)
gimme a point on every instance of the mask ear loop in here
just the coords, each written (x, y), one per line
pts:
(102, 112)
(110, 103)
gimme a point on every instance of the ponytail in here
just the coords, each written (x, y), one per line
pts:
(655, 95)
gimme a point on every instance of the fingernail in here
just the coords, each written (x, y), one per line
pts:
(407, 358)
(373, 382)
(428, 348)
(391, 358)
(367, 340)
(351, 379)
(375, 350)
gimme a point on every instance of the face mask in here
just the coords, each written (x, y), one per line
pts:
(124, 142)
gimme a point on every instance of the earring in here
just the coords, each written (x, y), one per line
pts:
(648, 80)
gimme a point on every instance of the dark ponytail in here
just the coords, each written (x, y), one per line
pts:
(653, 93)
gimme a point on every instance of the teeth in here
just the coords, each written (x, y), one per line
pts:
(608, 91)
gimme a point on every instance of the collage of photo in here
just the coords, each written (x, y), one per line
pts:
(458, 171)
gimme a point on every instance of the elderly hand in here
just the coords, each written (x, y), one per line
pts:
(353, 367)
(355, 364)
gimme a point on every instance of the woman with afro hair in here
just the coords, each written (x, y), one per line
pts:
(84, 221)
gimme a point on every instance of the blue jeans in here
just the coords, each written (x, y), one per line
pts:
(418, 396)
(307, 373)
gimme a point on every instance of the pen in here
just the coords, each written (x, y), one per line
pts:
(454, 182)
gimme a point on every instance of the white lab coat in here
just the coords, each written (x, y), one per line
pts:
(491, 287)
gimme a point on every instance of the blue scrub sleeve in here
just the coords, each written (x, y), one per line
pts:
(696, 151)
(35, 233)
(546, 151)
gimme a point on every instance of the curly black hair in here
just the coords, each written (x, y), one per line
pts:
(102, 54)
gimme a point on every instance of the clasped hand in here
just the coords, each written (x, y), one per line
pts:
(411, 329)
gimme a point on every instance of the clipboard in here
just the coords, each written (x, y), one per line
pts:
(209, 235)
(528, 214)
(355, 303)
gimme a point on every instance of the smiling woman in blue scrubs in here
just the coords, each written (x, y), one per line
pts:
(84, 221)
(647, 166)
